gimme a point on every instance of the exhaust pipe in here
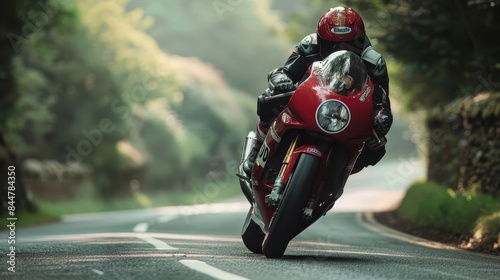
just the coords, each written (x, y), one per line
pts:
(245, 184)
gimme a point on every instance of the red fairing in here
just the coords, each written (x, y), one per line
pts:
(311, 94)
(301, 114)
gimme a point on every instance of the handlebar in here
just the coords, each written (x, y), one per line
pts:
(281, 95)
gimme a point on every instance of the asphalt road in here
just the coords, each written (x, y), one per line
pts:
(203, 242)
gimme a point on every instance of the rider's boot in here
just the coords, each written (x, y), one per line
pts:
(261, 135)
(248, 164)
(371, 154)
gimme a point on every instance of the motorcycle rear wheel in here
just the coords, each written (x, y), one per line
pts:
(289, 212)
(252, 234)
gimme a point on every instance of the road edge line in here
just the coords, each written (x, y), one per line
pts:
(367, 220)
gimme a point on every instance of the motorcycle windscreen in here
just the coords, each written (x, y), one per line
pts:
(344, 73)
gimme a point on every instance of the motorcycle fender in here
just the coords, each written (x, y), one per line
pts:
(306, 149)
(309, 149)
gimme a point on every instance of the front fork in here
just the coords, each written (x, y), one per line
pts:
(274, 199)
(289, 161)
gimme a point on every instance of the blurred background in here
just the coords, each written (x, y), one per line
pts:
(127, 103)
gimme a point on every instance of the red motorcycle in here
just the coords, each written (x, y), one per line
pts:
(308, 153)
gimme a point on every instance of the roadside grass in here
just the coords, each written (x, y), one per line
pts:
(85, 202)
(25, 219)
(472, 215)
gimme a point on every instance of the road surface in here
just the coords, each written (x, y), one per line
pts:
(203, 242)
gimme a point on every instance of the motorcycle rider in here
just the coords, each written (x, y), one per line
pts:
(340, 28)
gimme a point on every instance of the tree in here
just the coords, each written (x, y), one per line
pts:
(446, 48)
(235, 36)
(91, 82)
(18, 20)
(443, 49)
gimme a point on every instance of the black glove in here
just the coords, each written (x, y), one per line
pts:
(280, 82)
(383, 122)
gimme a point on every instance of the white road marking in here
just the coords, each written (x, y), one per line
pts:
(141, 227)
(98, 272)
(109, 235)
(144, 226)
(160, 245)
(210, 270)
(186, 210)
(166, 219)
(368, 221)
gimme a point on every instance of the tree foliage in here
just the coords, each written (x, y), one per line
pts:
(90, 85)
(444, 49)
(239, 37)
(20, 21)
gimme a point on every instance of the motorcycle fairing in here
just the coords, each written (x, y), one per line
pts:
(299, 118)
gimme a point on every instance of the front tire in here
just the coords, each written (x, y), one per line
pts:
(290, 210)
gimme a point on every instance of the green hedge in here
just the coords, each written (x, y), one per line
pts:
(472, 214)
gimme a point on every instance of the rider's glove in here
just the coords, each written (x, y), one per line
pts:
(280, 82)
(383, 122)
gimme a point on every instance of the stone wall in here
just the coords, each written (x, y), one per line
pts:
(51, 180)
(464, 146)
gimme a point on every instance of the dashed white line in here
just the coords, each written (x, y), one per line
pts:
(160, 245)
(144, 226)
(165, 219)
(210, 270)
(98, 272)
(141, 227)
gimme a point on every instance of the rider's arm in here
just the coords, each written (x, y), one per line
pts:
(383, 114)
(376, 68)
(304, 54)
(284, 78)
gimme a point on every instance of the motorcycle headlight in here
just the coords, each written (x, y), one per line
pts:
(332, 116)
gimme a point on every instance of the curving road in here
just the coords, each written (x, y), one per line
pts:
(202, 242)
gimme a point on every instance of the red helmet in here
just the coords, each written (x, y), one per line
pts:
(340, 24)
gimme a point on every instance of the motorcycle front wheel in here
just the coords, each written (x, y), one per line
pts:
(290, 210)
